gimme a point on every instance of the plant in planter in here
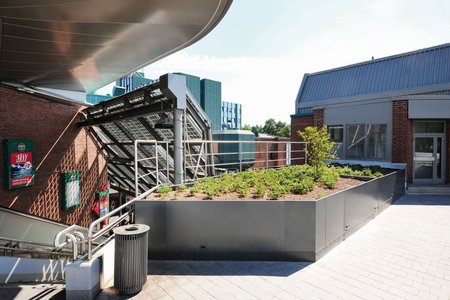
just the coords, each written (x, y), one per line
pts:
(319, 149)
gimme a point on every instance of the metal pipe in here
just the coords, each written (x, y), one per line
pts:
(136, 187)
(73, 239)
(82, 240)
(178, 145)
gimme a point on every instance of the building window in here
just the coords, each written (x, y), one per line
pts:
(337, 137)
(366, 142)
(376, 141)
(355, 141)
(429, 127)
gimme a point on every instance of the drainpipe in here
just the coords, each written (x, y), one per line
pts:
(174, 87)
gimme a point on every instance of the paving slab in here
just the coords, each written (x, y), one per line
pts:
(402, 254)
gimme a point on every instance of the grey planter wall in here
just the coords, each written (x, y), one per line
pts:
(263, 230)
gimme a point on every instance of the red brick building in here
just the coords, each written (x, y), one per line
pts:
(270, 151)
(59, 146)
(392, 111)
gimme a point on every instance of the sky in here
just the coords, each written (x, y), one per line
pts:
(261, 50)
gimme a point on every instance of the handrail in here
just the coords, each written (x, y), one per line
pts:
(57, 241)
(91, 236)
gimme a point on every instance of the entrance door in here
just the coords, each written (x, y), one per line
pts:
(429, 158)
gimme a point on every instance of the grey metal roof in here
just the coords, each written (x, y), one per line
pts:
(83, 45)
(418, 69)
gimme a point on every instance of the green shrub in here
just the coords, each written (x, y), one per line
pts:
(302, 187)
(164, 190)
(259, 191)
(276, 191)
(329, 177)
(319, 148)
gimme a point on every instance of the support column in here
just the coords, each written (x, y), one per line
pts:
(174, 87)
(178, 145)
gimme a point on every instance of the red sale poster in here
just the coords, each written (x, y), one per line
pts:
(21, 168)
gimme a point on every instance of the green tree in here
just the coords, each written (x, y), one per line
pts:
(247, 127)
(285, 131)
(319, 148)
(270, 127)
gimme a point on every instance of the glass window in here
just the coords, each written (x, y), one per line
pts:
(355, 141)
(337, 137)
(428, 127)
(376, 141)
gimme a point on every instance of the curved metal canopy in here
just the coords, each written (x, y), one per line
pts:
(81, 45)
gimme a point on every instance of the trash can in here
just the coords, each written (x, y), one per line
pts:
(130, 258)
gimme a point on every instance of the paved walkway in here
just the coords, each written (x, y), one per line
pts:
(403, 254)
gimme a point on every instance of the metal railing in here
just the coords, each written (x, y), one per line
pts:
(202, 156)
(73, 236)
(10, 246)
(226, 156)
(94, 232)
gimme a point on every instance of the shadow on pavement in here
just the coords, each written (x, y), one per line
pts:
(423, 200)
(225, 268)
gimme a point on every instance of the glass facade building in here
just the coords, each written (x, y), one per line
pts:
(211, 101)
(231, 115)
(134, 81)
(193, 84)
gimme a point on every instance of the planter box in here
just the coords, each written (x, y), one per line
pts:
(263, 229)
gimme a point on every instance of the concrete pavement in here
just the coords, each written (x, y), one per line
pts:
(402, 254)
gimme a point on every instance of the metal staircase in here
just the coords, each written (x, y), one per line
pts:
(150, 113)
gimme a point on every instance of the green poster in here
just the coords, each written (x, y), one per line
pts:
(71, 192)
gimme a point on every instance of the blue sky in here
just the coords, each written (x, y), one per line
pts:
(261, 49)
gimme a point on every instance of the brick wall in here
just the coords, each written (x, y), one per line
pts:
(60, 146)
(276, 156)
(402, 134)
(298, 123)
(318, 117)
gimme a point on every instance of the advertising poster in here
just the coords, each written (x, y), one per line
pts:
(101, 204)
(19, 165)
(71, 189)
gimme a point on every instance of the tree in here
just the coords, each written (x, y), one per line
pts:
(319, 148)
(285, 131)
(247, 127)
(270, 127)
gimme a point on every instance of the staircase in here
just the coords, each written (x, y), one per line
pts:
(423, 189)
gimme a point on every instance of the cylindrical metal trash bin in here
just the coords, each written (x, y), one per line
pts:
(130, 258)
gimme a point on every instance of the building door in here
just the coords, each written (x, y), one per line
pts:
(428, 159)
(429, 153)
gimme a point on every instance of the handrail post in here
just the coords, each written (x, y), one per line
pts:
(136, 173)
(306, 153)
(89, 247)
(240, 156)
(167, 162)
(156, 163)
(82, 240)
(73, 239)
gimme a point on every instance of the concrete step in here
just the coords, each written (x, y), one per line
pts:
(422, 189)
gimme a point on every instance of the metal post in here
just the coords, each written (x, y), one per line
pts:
(136, 173)
(288, 153)
(156, 163)
(178, 145)
(267, 155)
(306, 153)
(240, 157)
(167, 162)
